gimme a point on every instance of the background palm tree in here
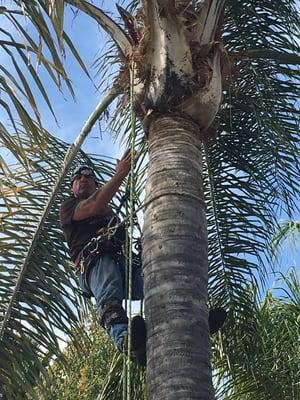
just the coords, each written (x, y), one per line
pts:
(249, 171)
(263, 352)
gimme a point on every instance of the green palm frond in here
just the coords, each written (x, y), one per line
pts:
(253, 164)
(113, 386)
(39, 297)
(291, 280)
(37, 50)
(262, 355)
(45, 303)
(45, 300)
(288, 233)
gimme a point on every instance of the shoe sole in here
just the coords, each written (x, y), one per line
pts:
(138, 340)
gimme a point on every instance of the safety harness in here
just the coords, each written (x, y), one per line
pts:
(108, 238)
(105, 240)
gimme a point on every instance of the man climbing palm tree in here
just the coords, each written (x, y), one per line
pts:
(85, 217)
(99, 262)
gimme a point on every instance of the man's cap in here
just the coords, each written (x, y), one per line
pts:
(84, 170)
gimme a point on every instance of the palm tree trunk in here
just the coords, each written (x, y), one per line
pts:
(175, 264)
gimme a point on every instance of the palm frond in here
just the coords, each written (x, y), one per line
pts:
(18, 97)
(44, 301)
(261, 353)
(288, 233)
(38, 284)
(253, 164)
(96, 372)
(108, 24)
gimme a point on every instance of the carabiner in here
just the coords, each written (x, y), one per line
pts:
(92, 242)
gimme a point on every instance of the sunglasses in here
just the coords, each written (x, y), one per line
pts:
(84, 172)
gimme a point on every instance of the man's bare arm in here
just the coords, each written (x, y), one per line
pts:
(97, 203)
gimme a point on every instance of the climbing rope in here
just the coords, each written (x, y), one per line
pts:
(129, 239)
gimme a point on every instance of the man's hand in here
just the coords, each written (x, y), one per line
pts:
(124, 165)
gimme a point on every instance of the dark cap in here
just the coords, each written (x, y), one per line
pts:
(84, 170)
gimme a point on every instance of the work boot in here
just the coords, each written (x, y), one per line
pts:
(138, 341)
(216, 319)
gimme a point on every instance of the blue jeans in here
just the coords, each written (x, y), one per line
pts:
(105, 280)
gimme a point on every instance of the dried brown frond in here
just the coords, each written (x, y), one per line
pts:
(201, 63)
(121, 84)
(130, 24)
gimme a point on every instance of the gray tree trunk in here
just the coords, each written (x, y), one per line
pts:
(175, 264)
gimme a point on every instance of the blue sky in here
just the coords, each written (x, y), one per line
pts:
(72, 115)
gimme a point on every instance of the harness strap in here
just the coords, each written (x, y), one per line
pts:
(83, 260)
(97, 245)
